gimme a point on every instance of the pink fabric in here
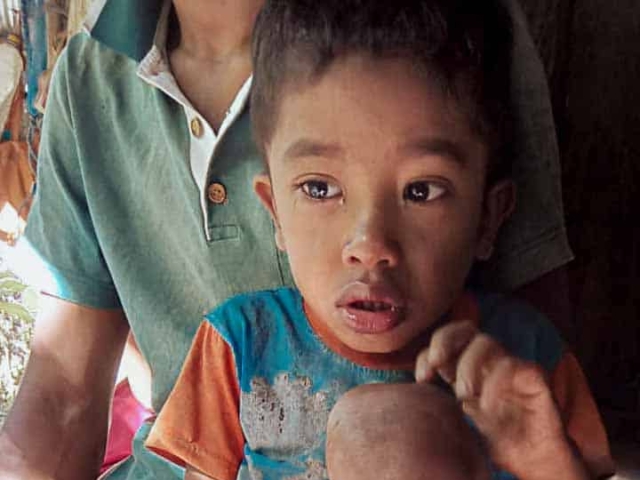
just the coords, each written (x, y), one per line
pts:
(127, 414)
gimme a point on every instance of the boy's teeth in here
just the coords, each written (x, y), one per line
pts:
(372, 306)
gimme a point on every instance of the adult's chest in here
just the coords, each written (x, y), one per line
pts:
(172, 261)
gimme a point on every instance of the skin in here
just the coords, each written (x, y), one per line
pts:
(422, 436)
(58, 425)
(211, 69)
(64, 395)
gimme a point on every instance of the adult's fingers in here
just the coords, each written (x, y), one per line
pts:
(447, 344)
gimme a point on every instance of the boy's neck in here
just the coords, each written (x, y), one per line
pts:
(466, 308)
(404, 359)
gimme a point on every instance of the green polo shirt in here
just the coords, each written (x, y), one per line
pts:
(122, 218)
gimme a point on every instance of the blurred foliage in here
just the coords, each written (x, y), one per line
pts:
(18, 304)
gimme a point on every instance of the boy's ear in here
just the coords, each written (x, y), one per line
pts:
(264, 191)
(499, 203)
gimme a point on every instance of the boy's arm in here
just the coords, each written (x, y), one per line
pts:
(199, 425)
(580, 416)
(508, 399)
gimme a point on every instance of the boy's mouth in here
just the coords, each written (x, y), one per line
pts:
(370, 309)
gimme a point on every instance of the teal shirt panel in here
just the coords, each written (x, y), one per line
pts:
(117, 220)
(290, 380)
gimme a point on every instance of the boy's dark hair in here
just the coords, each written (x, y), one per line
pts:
(464, 45)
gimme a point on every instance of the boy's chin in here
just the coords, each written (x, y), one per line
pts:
(381, 344)
(399, 342)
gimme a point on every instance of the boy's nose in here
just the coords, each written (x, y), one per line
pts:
(371, 246)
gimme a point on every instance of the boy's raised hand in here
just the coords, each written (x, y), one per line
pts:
(508, 399)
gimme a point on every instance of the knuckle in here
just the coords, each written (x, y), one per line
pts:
(533, 372)
(489, 343)
(423, 356)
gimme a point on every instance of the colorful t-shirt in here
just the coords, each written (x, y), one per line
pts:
(256, 390)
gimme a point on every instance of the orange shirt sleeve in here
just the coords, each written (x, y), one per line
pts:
(199, 424)
(580, 416)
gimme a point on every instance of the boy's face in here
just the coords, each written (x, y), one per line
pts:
(376, 190)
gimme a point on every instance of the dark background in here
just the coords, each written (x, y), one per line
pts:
(591, 52)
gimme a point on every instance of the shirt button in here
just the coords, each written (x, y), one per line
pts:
(217, 193)
(196, 127)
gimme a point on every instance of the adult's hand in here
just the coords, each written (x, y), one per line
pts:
(58, 425)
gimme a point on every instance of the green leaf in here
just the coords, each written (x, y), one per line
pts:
(16, 310)
(11, 287)
(30, 299)
(6, 274)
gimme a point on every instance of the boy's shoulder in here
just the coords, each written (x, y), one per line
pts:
(258, 314)
(521, 328)
(258, 304)
(279, 313)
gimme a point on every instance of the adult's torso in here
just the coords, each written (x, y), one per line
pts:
(168, 265)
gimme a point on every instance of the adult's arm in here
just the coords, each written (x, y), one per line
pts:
(58, 425)
(533, 244)
(532, 249)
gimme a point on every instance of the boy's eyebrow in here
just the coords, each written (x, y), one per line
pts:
(312, 148)
(423, 146)
(435, 146)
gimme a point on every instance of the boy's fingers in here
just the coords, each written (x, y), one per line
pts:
(471, 408)
(530, 380)
(424, 371)
(515, 381)
(494, 411)
(498, 386)
(447, 343)
(476, 364)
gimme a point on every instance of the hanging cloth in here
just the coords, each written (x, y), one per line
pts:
(77, 11)
(16, 176)
(34, 29)
(10, 75)
(56, 25)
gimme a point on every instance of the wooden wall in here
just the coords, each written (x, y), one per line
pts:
(591, 50)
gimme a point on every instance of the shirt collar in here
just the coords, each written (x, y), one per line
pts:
(127, 26)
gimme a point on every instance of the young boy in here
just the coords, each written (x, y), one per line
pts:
(385, 129)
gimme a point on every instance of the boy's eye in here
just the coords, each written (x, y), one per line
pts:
(320, 190)
(423, 191)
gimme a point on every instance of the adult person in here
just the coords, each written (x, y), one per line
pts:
(145, 218)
